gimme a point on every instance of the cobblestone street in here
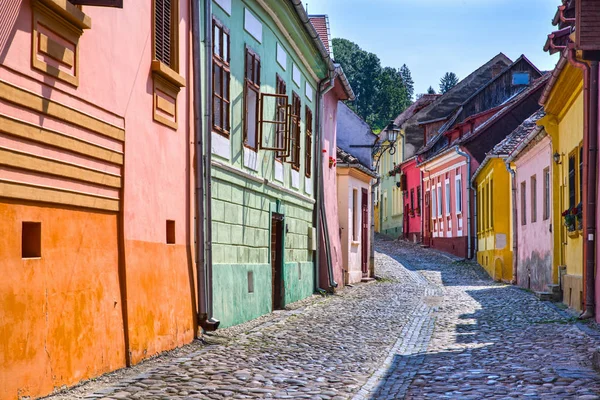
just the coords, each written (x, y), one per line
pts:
(430, 327)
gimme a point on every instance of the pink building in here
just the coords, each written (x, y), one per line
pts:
(96, 200)
(333, 270)
(532, 159)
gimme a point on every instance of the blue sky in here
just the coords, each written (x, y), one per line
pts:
(436, 36)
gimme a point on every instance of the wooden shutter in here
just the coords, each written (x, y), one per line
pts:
(98, 3)
(403, 182)
(587, 20)
(162, 30)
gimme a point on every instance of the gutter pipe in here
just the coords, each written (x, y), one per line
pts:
(209, 324)
(590, 141)
(469, 239)
(199, 178)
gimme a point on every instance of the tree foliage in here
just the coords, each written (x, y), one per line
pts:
(448, 81)
(431, 90)
(381, 93)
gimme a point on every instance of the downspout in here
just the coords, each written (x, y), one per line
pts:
(210, 324)
(590, 90)
(422, 203)
(515, 237)
(469, 239)
(199, 178)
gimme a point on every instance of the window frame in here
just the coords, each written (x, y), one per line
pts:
(573, 186)
(173, 35)
(419, 200)
(355, 227)
(251, 84)
(440, 205)
(547, 193)
(296, 125)
(308, 129)
(224, 64)
(447, 199)
(458, 196)
(523, 203)
(533, 195)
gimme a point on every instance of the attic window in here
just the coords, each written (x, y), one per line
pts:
(520, 78)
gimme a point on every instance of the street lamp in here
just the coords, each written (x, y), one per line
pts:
(387, 142)
(556, 156)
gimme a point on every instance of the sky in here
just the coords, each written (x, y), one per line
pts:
(433, 37)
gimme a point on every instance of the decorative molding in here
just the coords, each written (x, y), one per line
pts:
(167, 84)
(296, 75)
(29, 131)
(164, 71)
(45, 194)
(42, 105)
(35, 163)
(57, 27)
(225, 5)
(281, 56)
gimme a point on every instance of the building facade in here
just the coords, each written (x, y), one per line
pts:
(95, 191)
(267, 71)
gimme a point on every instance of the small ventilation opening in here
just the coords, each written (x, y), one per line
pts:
(31, 240)
(170, 232)
(299, 271)
(250, 282)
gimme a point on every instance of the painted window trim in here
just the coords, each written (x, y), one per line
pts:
(225, 64)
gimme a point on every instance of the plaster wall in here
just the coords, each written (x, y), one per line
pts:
(348, 183)
(130, 279)
(534, 264)
(412, 230)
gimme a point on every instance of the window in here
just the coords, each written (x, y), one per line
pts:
(165, 32)
(533, 184)
(439, 203)
(295, 132)
(447, 197)
(458, 188)
(520, 78)
(412, 199)
(170, 232)
(572, 180)
(31, 240)
(418, 200)
(251, 98)
(523, 203)
(308, 149)
(546, 193)
(491, 203)
(354, 215)
(221, 78)
(433, 204)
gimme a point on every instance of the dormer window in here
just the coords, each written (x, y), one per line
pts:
(520, 78)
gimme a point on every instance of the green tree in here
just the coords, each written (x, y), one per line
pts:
(431, 90)
(448, 81)
(408, 81)
(381, 93)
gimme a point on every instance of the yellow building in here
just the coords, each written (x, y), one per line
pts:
(494, 218)
(563, 103)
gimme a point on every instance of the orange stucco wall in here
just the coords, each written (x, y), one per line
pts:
(160, 294)
(60, 319)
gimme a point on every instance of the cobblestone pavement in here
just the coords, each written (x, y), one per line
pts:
(430, 328)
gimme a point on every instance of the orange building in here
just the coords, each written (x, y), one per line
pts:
(96, 203)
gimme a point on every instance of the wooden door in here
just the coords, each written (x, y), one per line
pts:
(277, 287)
(365, 233)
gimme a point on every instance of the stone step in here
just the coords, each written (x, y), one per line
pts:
(553, 288)
(544, 296)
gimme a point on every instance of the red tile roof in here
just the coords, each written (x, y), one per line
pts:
(321, 26)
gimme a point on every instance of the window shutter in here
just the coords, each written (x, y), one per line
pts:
(98, 3)
(587, 19)
(162, 31)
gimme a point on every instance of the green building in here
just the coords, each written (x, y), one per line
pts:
(263, 95)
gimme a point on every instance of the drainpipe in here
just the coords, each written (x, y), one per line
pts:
(514, 215)
(422, 203)
(590, 90)
(199, 178)
(209, 324)
(469, 240)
